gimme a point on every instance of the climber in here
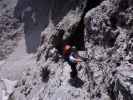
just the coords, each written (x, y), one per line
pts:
(72, 57)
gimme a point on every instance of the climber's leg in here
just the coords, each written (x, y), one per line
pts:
(74, 70)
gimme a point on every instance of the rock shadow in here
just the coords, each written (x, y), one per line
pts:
(76, 82)
(60, 8)
(45, 74)
(35, 16)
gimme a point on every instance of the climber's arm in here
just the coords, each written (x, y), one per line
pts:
(74, 59)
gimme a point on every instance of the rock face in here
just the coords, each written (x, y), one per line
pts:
(103, 29)
(109, 34)
(9, 28)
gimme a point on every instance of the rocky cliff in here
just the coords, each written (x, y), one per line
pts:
(9, 28)
(101, 29)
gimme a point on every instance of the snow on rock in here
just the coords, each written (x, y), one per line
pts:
(7, 87)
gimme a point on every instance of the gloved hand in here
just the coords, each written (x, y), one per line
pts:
(79, 60)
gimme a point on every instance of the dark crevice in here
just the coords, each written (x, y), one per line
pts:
(77, 31)
(77, 36)
(113, 20)
(90, 4)
(57, 40)
(123, 5)
(110, 39)
(118, 19)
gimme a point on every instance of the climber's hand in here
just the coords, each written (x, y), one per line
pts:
(79, 60)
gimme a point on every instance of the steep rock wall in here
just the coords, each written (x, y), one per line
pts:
(10, 28)
(106, 28)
